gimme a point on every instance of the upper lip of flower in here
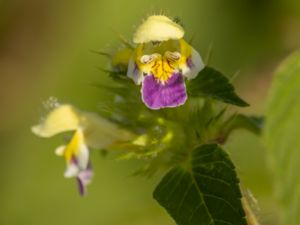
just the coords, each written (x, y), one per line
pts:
(97, 132)
(157, 28)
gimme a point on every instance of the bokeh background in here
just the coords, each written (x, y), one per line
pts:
(45, 51)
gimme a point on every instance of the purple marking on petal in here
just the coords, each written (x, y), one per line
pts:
(157, 95)
(74, 160)
(81, 187)
(136, 68)
(189, 62)
(84, 178)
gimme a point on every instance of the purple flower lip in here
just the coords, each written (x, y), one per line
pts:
(171, 94)
(81, 187)
(83, 178)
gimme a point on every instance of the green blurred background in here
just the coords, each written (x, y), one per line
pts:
(45, 51)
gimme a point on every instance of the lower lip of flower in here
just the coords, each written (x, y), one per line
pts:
(170, 94)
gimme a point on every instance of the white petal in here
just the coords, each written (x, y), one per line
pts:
(134, 73)
(191, 71)
(83, 156)
(157, 28)
(86, 176)
(61, 119)
(76, 154)
(72, 170)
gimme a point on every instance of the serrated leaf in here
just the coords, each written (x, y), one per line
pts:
(211, 83)
(282, 137)
(204, 192)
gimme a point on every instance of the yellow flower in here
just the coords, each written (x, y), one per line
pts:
(90, 131)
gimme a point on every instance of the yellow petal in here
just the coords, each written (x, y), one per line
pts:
(157, 28)
(77, 149)
(60, 150)
(73, 148)
(61, 119)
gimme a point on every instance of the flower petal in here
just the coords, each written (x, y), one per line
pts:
(100, 133)
(72, 170)
(60, 150)
(134, 73)
(190, 62)
(83, 156)
(61, 119)
(195, 65)
(84, 178)
(96, 132)
(157, 28)
(157, 95)
(77, 157)
(134, 66)
(76, 154)
(76, 151)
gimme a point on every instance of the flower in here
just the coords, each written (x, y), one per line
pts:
(90, 131)
(160, 62)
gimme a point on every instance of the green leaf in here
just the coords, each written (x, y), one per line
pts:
(282, 137)
(204, 192)
(253, 124)
(211, 83)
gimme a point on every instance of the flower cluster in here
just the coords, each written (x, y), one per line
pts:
(160, 61)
